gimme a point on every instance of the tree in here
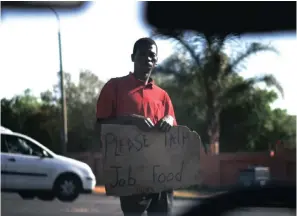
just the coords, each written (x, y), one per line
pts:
(40, 119)
(81, 100)
(27, 114)
(14, 108)
(214, 73)
(81, 103)
(281, 127)
(245, 122)
(244, 125)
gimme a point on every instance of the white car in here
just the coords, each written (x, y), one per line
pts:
(32, 170)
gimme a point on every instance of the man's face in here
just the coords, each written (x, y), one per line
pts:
(144, 58)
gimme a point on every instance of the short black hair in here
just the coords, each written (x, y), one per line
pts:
(143, 41)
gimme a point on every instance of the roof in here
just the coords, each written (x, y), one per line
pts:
(5, 130)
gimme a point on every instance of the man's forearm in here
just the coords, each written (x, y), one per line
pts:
(121, 120)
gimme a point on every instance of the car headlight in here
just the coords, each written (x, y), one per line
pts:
(90, 178)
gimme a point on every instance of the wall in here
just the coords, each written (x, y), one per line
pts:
(223, 169)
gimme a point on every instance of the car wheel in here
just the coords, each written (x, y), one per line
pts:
(27, 195)
(67, 187)
(46, 196)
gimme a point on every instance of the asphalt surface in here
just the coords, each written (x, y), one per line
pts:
(13, 205)
(89, 205)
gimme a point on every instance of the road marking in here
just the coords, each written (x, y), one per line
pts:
(82, 210)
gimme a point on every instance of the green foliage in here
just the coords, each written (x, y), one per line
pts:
(211, 97)
(40, 118)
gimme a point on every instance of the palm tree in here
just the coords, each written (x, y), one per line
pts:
(215, 73)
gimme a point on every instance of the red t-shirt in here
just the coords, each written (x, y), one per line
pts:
(128, 95)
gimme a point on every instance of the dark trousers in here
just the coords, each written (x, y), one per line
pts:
(159, 204)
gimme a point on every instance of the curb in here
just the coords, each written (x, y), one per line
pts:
(100, 190)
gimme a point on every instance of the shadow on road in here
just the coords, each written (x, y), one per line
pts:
(13, 205)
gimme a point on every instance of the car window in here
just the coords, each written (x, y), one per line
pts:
(19, 145)
(16, 145)
(3, 144)
(35, 150)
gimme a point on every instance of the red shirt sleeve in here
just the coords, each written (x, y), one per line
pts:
(106, 101)
(169, 110)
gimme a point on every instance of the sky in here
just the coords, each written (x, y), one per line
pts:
(101, 39)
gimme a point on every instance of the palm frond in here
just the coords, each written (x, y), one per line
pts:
(271, 81)
(240, 88)
(190, 50)
(251, 50)
(222, 40)
(180, 78)
(179, 36)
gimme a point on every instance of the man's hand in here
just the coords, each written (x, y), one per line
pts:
(166, 123)
(143, 123)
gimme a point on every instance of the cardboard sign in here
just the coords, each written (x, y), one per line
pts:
(136, 162)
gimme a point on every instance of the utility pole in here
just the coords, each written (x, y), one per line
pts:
(64, 131)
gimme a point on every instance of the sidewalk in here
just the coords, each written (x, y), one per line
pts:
(177, 194)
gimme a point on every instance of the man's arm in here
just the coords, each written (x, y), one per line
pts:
(105, 110)
(169, 110)
(105, 101)
(106, 106)
(169, 117)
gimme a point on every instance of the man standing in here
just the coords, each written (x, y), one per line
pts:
(136, 100)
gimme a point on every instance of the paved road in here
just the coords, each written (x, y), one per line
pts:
(85, 205)
(91, 205)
